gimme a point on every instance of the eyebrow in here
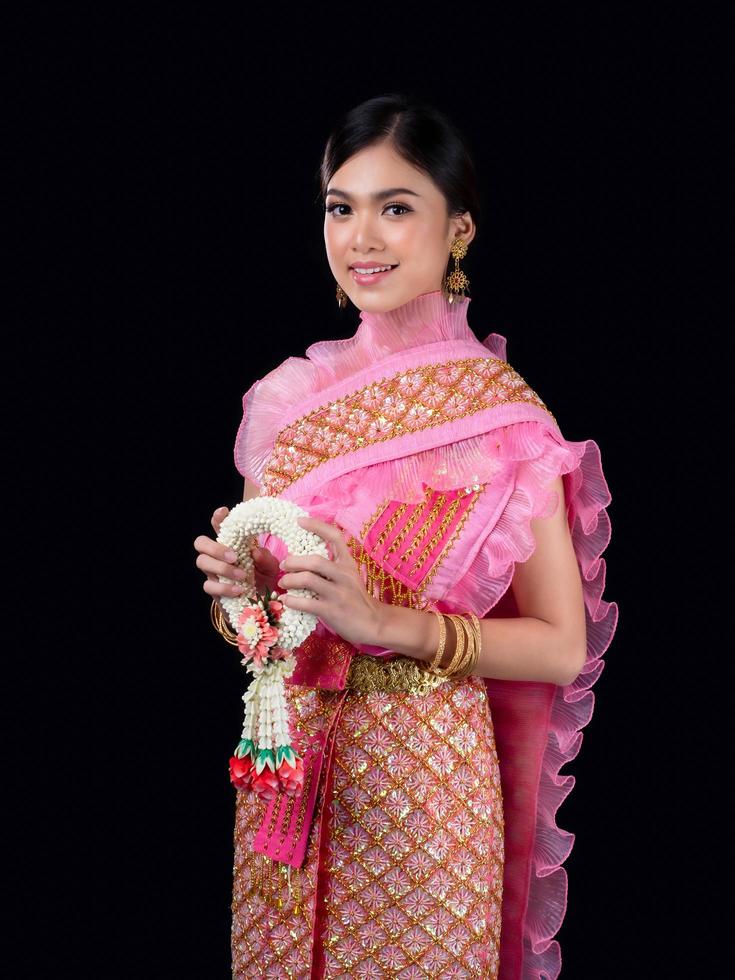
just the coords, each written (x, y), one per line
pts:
(377, 196)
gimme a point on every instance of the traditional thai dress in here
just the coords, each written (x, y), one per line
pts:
(424, 842)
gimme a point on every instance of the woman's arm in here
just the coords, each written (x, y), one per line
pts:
(250, 490)
(546, 642)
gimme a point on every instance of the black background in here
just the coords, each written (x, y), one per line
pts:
(171, 252)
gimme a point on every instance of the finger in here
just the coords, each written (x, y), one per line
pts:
(265, 561)
(310, 580)
(221, 588)
(218, 516)
(330, 532)
(314, 563)
(208, 546)
(303, 602)
(215, 566)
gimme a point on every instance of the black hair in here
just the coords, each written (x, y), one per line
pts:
(420, 133)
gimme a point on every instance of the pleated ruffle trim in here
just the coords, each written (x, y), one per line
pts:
(518, 462)
(587, 498)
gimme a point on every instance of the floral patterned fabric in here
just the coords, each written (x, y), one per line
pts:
(406, 880)
(432, 453)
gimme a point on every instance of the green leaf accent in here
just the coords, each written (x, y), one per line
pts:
(245, 747)
(265, 758)
(285, 752)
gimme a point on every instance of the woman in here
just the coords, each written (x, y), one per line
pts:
(424, 840)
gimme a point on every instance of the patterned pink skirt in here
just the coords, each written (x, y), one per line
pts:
(406, 880)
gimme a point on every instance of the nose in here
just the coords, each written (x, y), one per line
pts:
(365, 236)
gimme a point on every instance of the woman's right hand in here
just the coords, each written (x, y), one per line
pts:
(217, 559)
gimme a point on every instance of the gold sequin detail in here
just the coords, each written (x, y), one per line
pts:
(382, 584)
(414, 845)
(387, 587)
(409, 401)
(368, 675)
(428, 517)
(268, 938)
(390, 523)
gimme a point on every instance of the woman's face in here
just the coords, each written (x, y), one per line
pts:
(411, 231)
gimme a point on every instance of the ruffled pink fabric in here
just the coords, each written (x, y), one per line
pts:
(518, 455)
(535, 892)
(427, 323)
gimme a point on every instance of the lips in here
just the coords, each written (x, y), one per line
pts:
(371, 278)
(368, 266)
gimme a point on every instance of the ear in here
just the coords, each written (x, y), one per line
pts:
(463, 226)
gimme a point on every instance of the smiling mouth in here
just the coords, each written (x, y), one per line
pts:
(365, 272)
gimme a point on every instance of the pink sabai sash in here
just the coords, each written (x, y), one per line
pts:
(324, 659)
(414, 431)
(322, 662)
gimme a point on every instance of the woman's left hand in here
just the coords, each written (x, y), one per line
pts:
(342, 601)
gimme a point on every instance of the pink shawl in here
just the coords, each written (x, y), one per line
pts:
(368, 420)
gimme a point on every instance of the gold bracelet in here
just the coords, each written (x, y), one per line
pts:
(435, 666)
(475, 648)
(478, 630)
(448, 671)
(219, 621)
(436, 661)
(475, 624)
(468, 649)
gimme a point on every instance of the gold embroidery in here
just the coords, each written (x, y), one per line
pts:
(409, 401)
(286, 822)
(437, 536)
(414, 845)
(424, 529)
(300, 815)
(417, 511)
(262, 932)
(416, 827)
(367, 675)
(381, 584)
(455, 534)
(374, 518)
(391, 522)
(264, 876)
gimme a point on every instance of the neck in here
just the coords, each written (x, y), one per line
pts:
(426, 318)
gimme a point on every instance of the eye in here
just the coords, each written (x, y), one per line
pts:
(330, 208)
(398, 206)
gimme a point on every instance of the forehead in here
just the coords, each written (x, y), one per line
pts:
(376, 168)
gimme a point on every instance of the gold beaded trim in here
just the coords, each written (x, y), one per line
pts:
(378, 580)
(381, 584)
(409, 401)
(370, 675)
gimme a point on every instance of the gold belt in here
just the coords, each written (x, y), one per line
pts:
(370, 675)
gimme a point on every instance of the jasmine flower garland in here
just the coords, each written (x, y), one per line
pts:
(267, 633)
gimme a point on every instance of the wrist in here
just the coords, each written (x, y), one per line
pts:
(379, 628)
(407, 631)
(382, 628)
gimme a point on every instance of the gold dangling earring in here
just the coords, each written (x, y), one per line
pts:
(456, 282)
(341, 297)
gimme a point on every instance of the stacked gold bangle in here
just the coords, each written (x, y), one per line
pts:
(467, 649)
(464, 659)
(219, 621)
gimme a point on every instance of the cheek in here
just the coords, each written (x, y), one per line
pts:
(337, 244)
(405, 238)
(418, 244)
(336, 237)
